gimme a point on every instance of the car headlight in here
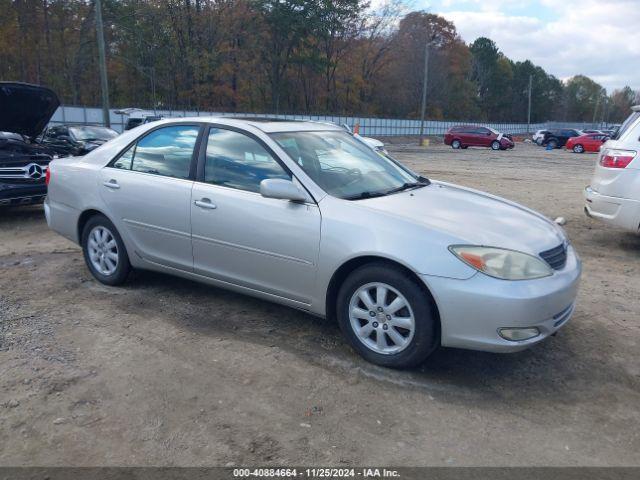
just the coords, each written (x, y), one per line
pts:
(502, 263)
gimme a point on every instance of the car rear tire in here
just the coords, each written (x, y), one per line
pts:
(552, 143)
(539, 141)
(386, 316)
(578, 148)
(456, 144)
(495, 145)
(104, 251)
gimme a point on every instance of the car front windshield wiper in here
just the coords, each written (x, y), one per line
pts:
(422, 182)
(408, 185)
(365, 194)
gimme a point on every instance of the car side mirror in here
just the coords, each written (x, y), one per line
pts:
(281, 189)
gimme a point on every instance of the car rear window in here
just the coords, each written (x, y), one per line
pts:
(626, 125)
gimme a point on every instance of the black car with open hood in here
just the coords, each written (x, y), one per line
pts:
(25, 110)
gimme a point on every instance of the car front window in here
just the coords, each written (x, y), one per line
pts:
(343, 166)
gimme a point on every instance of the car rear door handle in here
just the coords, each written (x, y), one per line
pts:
(205, 203)
(112, 184)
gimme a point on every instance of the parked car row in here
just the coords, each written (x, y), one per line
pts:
(578, 141)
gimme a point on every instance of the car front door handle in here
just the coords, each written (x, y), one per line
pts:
(205, 203)
(112, 184)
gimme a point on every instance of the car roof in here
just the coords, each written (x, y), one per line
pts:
(267, 125)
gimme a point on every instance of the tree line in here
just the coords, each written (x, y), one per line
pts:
(285, 56)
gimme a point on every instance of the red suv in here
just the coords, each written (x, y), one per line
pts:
(464, 136)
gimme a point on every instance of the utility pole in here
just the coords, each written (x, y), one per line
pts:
(424, 90)
(104, 84)
(153, 88)
(595, 110)
(529, 108)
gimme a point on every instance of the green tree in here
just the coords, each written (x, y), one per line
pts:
(619, 104)
(582, 97)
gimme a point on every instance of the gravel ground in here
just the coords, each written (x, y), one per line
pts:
(164, 371)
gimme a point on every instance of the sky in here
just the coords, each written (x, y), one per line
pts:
(597, 38)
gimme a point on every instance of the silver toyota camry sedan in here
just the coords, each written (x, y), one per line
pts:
(307, 215)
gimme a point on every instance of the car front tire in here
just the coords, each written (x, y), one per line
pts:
(104, 251)
(578, 148)
(495, 145)
(387, 316)
(456, 144)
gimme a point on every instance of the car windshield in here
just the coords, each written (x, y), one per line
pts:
(345, 167)
(92, 133)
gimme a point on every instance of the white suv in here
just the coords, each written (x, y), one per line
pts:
(614, 193)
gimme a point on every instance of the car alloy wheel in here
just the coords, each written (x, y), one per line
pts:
(495, 145)
(456, 144)
(578, 149)
(103, 250)
(382, 318)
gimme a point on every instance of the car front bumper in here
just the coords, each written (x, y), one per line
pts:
(620, 212)
(22, 193)
(472, 311)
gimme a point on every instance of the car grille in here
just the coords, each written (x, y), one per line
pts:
(30, 172)
(555, 257)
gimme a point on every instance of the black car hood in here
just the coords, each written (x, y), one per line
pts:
(26, 109)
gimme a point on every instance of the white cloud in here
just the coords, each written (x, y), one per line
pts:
(595, 38)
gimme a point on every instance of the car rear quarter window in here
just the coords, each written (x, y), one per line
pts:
(626, 126)
(124, 161)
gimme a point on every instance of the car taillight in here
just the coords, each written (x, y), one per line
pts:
(47, 176)
(612, 158)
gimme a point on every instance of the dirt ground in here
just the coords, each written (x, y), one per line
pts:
(164, 371)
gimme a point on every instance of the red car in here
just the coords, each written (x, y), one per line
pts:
(464, 136)
(589, 142)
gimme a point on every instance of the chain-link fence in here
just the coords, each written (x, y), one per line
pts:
(374, 127)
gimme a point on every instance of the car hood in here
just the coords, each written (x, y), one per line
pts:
(26, 109)
(471, 217)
